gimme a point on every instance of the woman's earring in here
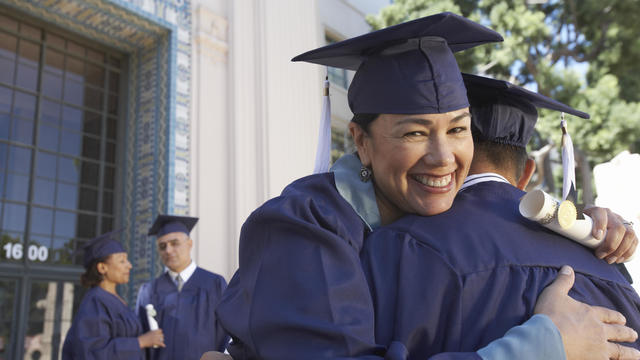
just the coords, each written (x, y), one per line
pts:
(365, 174)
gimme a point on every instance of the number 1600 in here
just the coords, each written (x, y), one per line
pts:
(34, 252)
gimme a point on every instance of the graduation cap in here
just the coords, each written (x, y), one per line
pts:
(506, 113)
(166, 224)
(407, 68)
(101, 246)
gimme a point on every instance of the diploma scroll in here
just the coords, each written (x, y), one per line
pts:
(558, 217)
(153, 324)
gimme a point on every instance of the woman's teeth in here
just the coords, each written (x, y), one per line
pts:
(441, 181)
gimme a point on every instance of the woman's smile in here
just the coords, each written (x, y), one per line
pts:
(438, 183)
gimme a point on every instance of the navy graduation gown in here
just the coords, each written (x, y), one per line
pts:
(103, 328)
(300, 292)
(187, 318)
(457, 281)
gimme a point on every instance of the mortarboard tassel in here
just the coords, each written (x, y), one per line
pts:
(323, 151)
(569, 189)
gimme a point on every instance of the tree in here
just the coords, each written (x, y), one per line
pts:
(583, 53)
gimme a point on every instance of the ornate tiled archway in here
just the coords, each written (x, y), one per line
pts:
(157, 37)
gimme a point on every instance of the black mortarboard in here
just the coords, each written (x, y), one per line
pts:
(166, 224)
(506, 113)
(407, 68)
(103, 245)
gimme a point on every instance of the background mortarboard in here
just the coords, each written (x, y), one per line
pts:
(165, 224)
(101, 246)
(506, 113)
(407, 68)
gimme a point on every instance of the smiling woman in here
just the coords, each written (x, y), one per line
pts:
(419, 162)
(300, 291)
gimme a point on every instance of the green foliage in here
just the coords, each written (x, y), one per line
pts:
(543, 44)
(340, 143)
(404, 10)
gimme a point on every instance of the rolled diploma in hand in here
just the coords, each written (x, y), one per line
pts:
(153, 324)
(539, 206)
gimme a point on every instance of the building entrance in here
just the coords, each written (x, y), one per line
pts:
(60, 107)
(35, 314)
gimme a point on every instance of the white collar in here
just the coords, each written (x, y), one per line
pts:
(482, 177)
(184, 274)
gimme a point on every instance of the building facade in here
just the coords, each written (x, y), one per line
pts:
(115, 111)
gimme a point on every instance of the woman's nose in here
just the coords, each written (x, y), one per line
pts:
(439, 153)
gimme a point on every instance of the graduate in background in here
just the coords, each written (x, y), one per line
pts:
(104, 327)
(184, 297)
(459, 280)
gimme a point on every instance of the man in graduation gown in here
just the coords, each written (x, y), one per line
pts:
(458, 280)
(184, 296)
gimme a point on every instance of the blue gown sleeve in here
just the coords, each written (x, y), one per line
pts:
(93, 340)
(537, 338)
(144, 298)
(300, 292)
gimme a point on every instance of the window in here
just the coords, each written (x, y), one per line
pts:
(59, 109)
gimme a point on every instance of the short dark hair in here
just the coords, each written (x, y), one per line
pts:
(92, 276)
(364, 120)
(502, 156)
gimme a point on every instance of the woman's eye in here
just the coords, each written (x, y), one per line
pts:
(414, 133)
(457, 130)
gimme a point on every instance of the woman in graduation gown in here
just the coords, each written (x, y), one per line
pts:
(104, 327)
(300, 291)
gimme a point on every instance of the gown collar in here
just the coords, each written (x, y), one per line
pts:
(184, 274)
(482, 177)
(360, 195)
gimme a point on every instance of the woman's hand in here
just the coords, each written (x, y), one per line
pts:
(587, 331)
(620, 242)
(151, 338)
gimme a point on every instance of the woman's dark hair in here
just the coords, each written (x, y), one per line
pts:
(364, 120)
(92, 276)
